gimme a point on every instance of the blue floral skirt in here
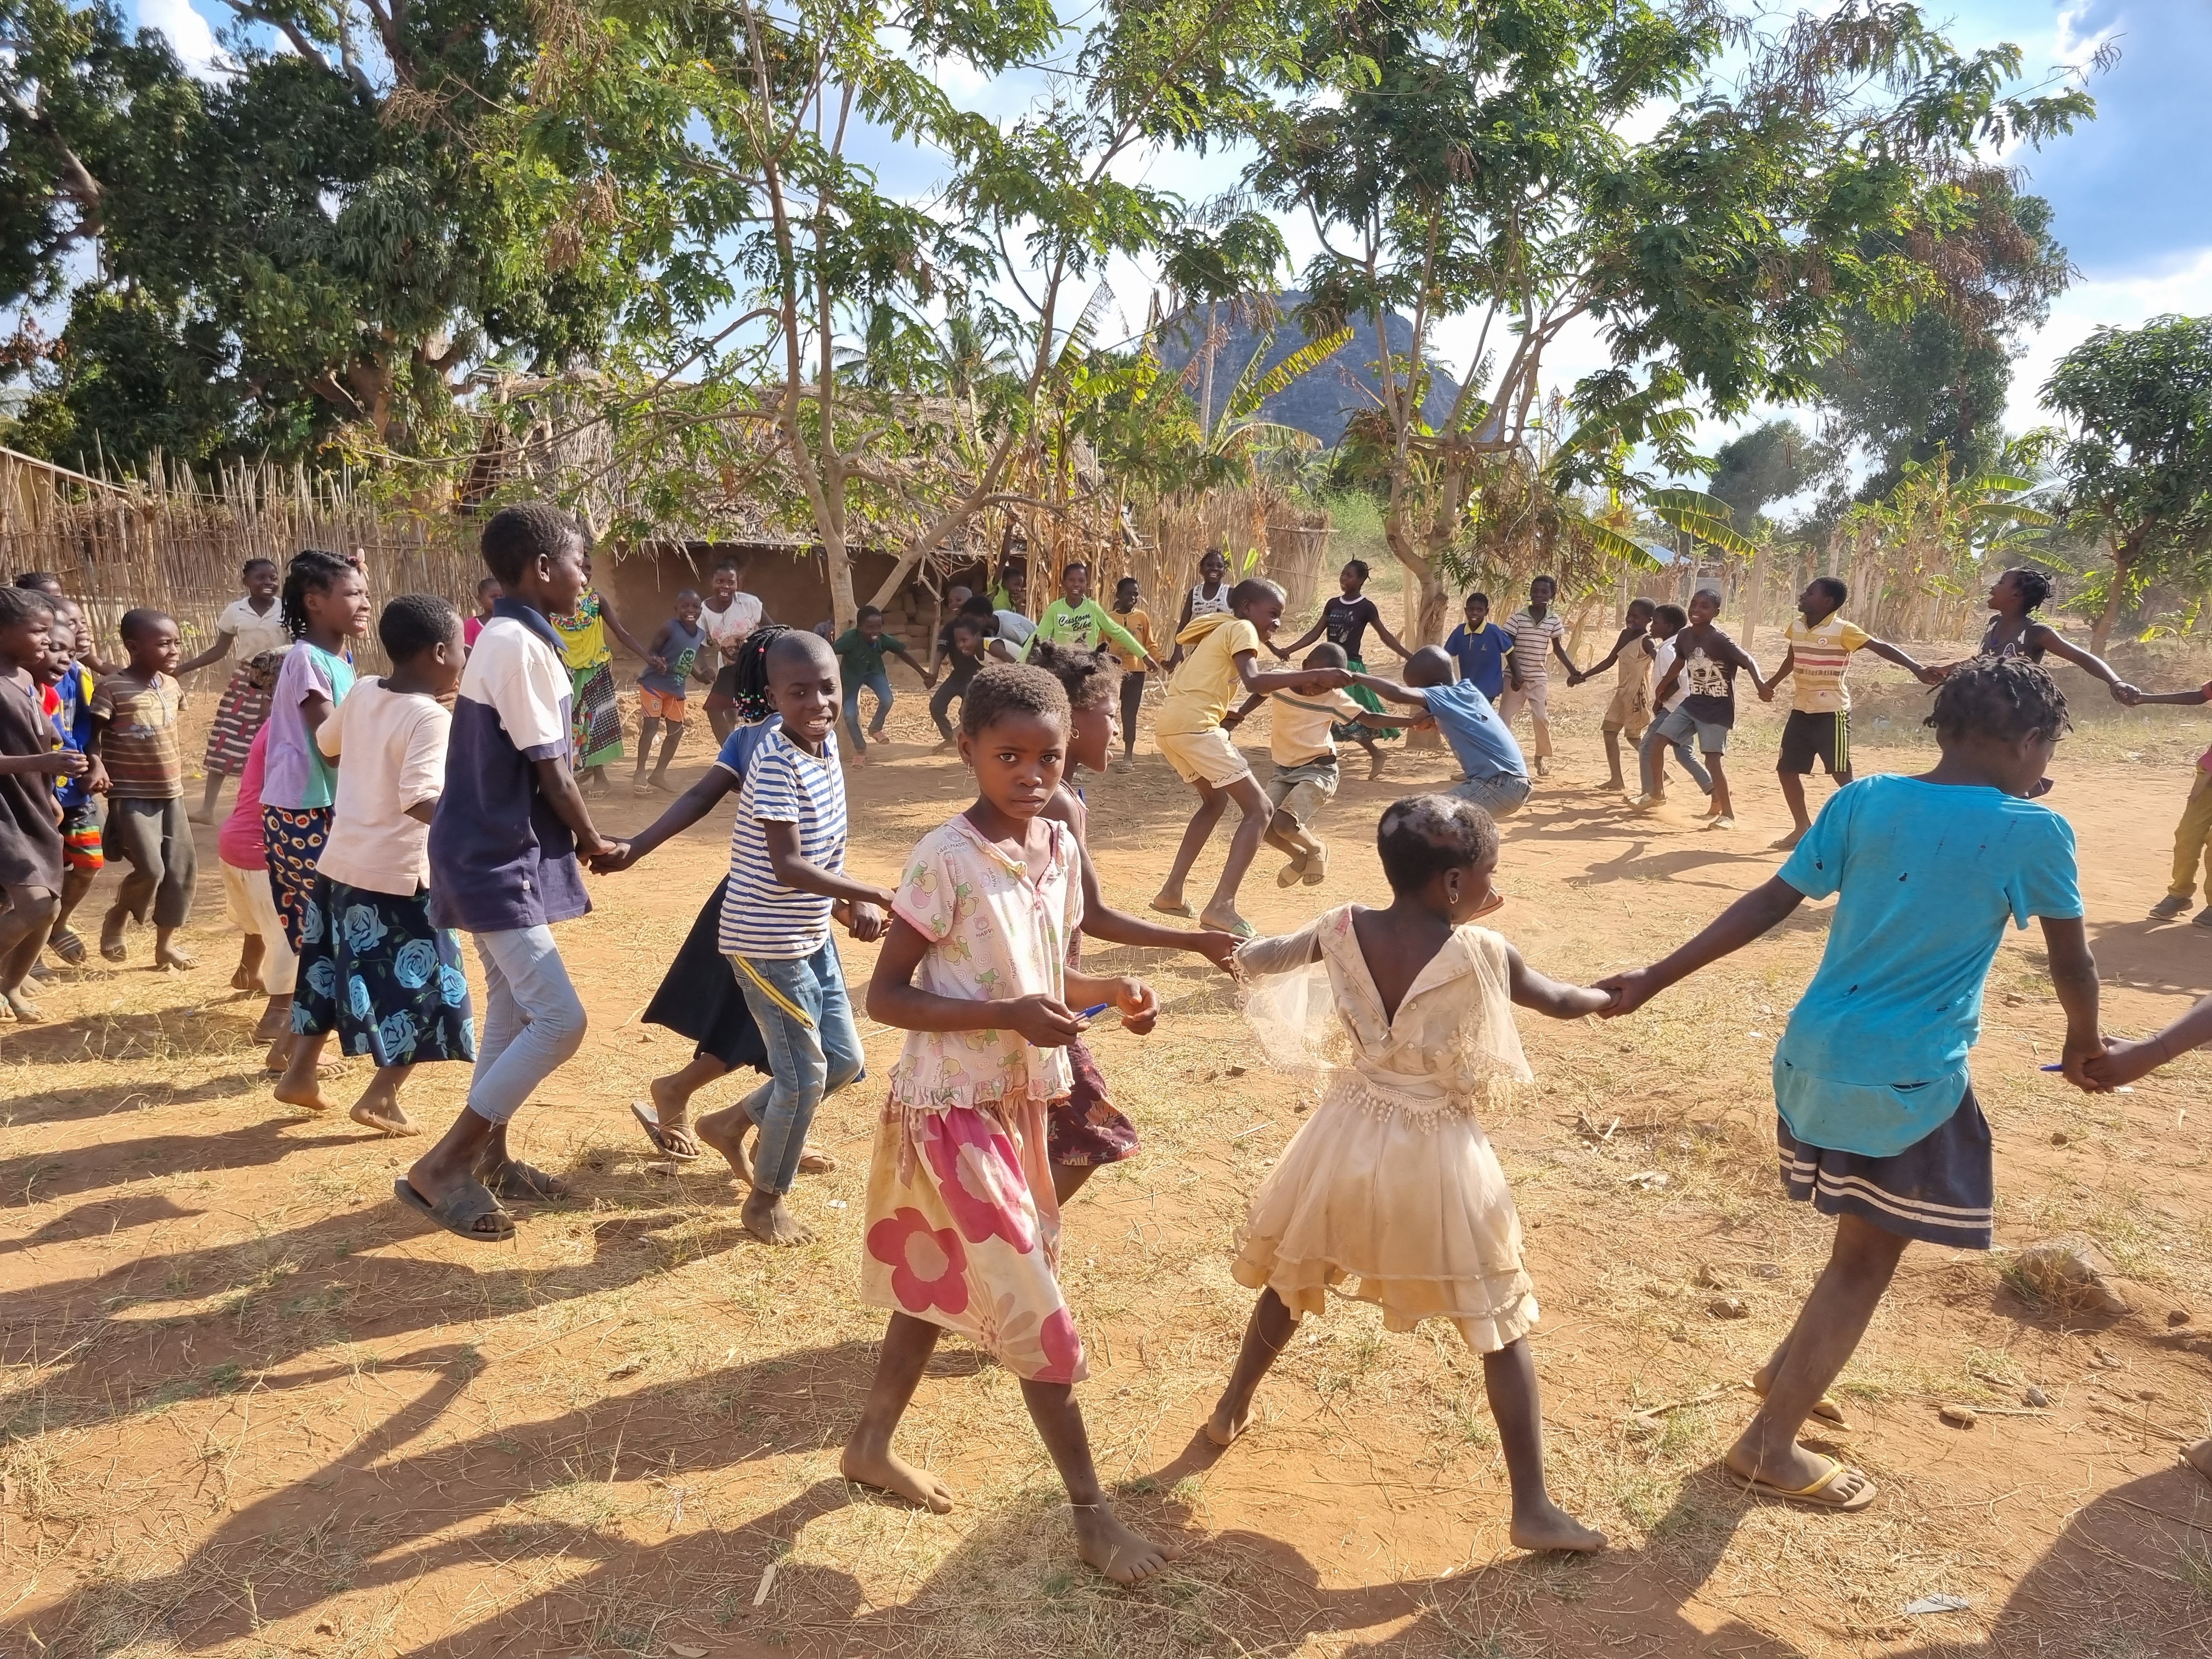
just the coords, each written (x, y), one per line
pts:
(374, 970)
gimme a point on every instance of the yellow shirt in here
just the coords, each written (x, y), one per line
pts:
(1298, 726)
(1206, 684)
(1140, 624)
(1819, 656)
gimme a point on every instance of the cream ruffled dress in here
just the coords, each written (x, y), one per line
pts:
(1391, 1191)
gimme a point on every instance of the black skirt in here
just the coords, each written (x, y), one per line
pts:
(1941, 1189)
(699, 997)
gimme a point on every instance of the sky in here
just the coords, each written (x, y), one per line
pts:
(2132, 193)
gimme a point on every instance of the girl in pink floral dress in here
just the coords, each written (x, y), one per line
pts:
(962, 1229)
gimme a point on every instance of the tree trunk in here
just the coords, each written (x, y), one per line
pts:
(2123, 561)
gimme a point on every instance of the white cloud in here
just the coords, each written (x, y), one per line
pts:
(2182, 285)
(189, 34)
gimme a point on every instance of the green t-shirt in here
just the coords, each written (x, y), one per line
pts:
(859, 658)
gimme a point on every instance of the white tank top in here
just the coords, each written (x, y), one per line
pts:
(1202, 607)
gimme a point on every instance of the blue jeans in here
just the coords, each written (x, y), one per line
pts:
(879, 683)
(805, 1022)
(1672, 730)
(532, 1020)
(1501, 795)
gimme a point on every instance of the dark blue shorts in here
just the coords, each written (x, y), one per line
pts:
(1941, 1189)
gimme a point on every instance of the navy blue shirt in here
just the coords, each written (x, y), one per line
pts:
(1481, 655)
(500, 858)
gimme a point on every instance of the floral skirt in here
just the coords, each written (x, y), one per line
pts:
(595, 723)
(962, 1230)
(242, 713)
(374, 971)
(292, 841)
(1087, 1128)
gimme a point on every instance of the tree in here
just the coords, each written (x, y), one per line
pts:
(1770, 462)
(1472, 162)
(2137, 464)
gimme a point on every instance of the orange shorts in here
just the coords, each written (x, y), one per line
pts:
(659, 705)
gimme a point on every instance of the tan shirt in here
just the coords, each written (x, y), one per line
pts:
(1206, 684)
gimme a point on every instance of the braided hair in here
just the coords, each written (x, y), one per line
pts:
(2003, 697)
(2034, 587)
(749, 687)
(312, 571)
(1088, 677)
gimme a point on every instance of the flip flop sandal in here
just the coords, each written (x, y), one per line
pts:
(1317, 868)
(1240, 929)
(1818, 1494)
(813, 1162)
(1182, 909)
(1825, 1408)
(523, 1183)
(67, 943)
(650, 1123)
(458, 1211)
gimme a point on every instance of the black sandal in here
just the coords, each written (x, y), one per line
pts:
(650, 1122)
(523, 1183)
(459, 1210)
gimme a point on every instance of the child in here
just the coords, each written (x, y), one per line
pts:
(1668, 621)
(671, 660)
(2191, 834)
(1078, 621)
(1301, 742)
(860, 649)
(962, 1229)
(30, 759)
(1820, 724)
(1086, 1131)
(1392, 1181)
(325, 606)
(2015, 631)
(1140, 623)
(1210, 598)
(266, 962)
(786, 883)
(593, 712)
(1345, 620)
(134, 733)
(1630, 711)
(69, 702)
(1878, 1125)
(1539, 634)
(964, 653)
(1705, 661)
(1222, 648)
(1492, 775)
(374, 969)
(1482, 647)
(488, 592)
(255, 624)
(730, 617)
(502, 856)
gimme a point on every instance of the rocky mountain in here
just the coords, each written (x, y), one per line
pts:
(1321, 401)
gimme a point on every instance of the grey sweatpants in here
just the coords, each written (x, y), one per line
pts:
(155, 840)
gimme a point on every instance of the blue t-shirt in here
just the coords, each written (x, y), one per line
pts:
(1480, 739)
(742, 743)
(1874, 1055)
(73, 725)
(1481, 655)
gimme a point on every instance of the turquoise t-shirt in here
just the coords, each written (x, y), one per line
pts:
(1874, 1055)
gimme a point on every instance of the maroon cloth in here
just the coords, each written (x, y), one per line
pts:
(1086, 1127)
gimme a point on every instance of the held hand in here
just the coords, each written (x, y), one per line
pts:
(599, 846)
(1630, 992)
(1766, 692)
(658, 664)
(1218, 948)
(1139, 1006)
(1574, 680)
(2076, 1059)
(614, 863)
(1335, 679)
(95, 777)
(1045, 1021)
(1929, 676)
(1231, 721)
(2121, 1062)
(2127, 695)
(868, 922)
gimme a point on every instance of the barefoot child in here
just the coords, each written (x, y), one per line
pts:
(2015, 630)
(672, 660)
(1224, 651)
(374, 969)
(787, 884)
(1345, 620)
(962, 1229)
(134, 733)
(1820, 724)
(502, 851)
(325, 608)
(254, 624)
(1086, 1131)
(965, 639)
(30, 759)
(1630, 711)
(265, 959)
(1302, 742)
(1668, 621)
(69, 702)
(1878, 1124)
(1210, 598)
(1392, 1181)
(1705, 661)
(860, 651)
(2194, 831)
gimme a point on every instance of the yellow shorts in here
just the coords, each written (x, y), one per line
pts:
(659, 705)
(1207, 755)
(1628, 711)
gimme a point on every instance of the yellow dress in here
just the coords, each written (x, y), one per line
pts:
(1391, 1191)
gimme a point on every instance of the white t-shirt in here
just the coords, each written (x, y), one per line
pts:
(252, 632)
(1298, 729)
(392, 750)
(1662, 658)
(727, 629)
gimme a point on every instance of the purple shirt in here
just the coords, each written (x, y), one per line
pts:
(294, 775)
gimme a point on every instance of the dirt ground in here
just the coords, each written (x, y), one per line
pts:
(250, 1406)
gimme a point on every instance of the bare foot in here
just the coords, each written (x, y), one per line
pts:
(111, 934)
(1125, 1557)
(310, 1098)
(243, 978)
(2199, 1457)
(765, 1219)
(176, 960)
(392, 1119)
(671, 1110)
(887, 1472)
(1375, 765)
(1548, 1527)
(725, 1132)
(1788, 841)
(1223, 1430)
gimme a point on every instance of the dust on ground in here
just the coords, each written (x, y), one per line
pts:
(250, 1406)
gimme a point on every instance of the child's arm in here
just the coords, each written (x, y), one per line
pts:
(656, 654)
(1612, 657)
(1560, 650)
(558, 785)
(2178, 699)
(1889, 653)
(1259, 683)
(1743, 921)
(807, 877)
(686, 810)
(893, 999)
(1102, 922)
(1546, 995)
(1283, 653)
(2123, 1062)
(1389, 639)
(1742, 659)
(1120, 635)
(58, 763)
(2074, 976)
(1235, 717)
(1788, 663)
(215, 653)
(1666, 682)
(2053, 641)
(1139, 1005)
(1393, 691)
(628, 641)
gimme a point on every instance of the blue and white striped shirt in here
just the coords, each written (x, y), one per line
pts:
(784, 784)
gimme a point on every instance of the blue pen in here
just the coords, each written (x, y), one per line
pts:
(2123, 1089)
(1093, 1014)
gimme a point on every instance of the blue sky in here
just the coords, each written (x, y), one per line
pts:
(2132, 192)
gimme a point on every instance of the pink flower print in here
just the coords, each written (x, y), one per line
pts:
(1062, 1348)
(928, 1266)
(979, 1177)
(1046, 1350)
